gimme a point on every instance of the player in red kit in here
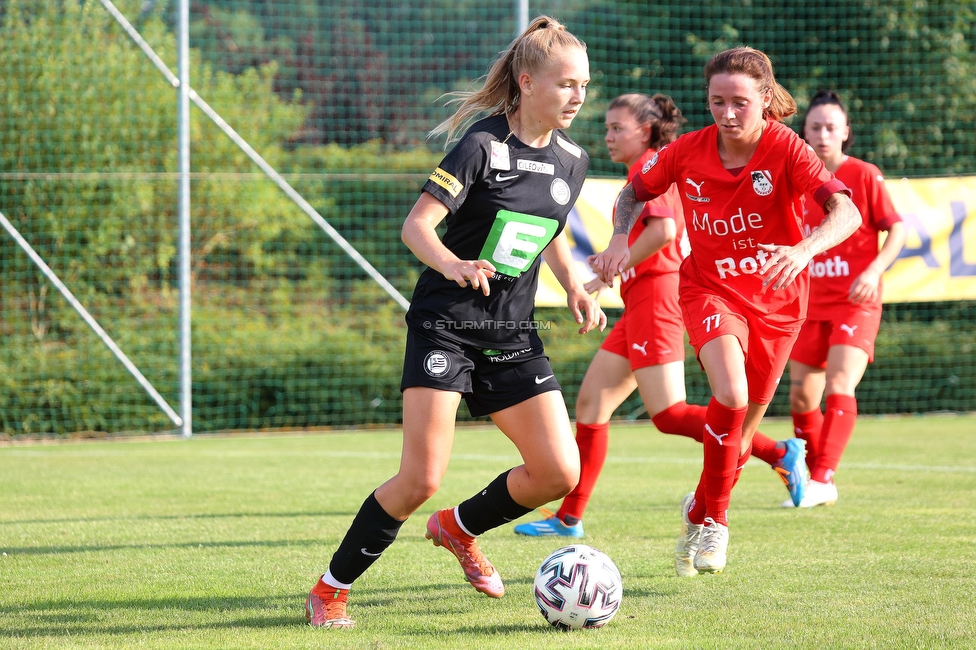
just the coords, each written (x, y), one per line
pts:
(837, 340)
(645, 350)
(744, 286)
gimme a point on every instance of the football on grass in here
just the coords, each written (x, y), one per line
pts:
(578, 587)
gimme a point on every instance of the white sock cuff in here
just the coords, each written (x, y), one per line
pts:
(330, 580)
(457, 518)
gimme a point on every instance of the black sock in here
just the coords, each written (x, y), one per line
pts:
(371, 533)
(490, 508)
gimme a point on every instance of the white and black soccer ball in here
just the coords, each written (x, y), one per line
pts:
(578, 587)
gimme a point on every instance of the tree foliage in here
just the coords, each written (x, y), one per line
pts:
(339, 96)
(906, 68)
(89, 135)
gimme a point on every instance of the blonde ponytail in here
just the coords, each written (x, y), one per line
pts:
(499, 93)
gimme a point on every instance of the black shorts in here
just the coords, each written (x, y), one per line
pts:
(489, 380)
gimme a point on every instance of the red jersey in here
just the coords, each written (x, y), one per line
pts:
(729, 214)
(833, 272)
(668, 259)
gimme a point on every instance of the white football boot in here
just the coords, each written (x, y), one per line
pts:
(713, 547)
(819, 494)
(687, 546)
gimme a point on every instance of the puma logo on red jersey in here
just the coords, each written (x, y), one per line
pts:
(697, 186)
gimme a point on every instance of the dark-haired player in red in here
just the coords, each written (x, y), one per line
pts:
(837, 340)
(646, 348)
(744, 286)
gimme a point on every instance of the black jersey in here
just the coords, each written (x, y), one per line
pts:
(507, 202)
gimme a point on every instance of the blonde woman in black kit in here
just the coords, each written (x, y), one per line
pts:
(505, 191)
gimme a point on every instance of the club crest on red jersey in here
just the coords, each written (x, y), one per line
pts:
(762, 182)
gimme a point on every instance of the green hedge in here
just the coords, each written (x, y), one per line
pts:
(307, 366)
(287, 330)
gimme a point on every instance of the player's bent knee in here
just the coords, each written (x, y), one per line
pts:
(587, 407)
(563, 483)
(552, 484)
(417, 493)
(732, 399)
(800, 402)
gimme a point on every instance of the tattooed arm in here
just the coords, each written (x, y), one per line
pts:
(786, 262)
(614, 259)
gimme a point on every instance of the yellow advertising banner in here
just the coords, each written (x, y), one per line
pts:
(940, 218)
(935, 265)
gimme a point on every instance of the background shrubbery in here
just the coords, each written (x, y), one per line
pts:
(338, 96)
(258, 376)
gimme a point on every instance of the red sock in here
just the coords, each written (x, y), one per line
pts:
(723, 435)
(807, 427)
(696, 514)
(592, 440)
(682, 419)
(764, 448)
(743, 459)
(838, 425)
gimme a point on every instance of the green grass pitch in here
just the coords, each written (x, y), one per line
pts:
(214, 543)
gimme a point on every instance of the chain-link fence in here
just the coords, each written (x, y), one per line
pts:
(288, 331)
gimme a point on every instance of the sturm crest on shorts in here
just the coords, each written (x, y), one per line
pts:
(437, 363)
(762, 182)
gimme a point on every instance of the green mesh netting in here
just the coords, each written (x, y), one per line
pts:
(338, 97)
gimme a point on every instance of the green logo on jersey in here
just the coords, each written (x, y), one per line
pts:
(515, 241)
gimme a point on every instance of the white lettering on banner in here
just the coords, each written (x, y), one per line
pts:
(747, 265)
(832, 268)
(938, 262)
(736, 224)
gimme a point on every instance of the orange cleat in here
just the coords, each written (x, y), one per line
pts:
(326, 607)
(443, 530)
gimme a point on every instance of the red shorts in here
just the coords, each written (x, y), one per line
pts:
(650, 331)
(765, 344)
(848, 324)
